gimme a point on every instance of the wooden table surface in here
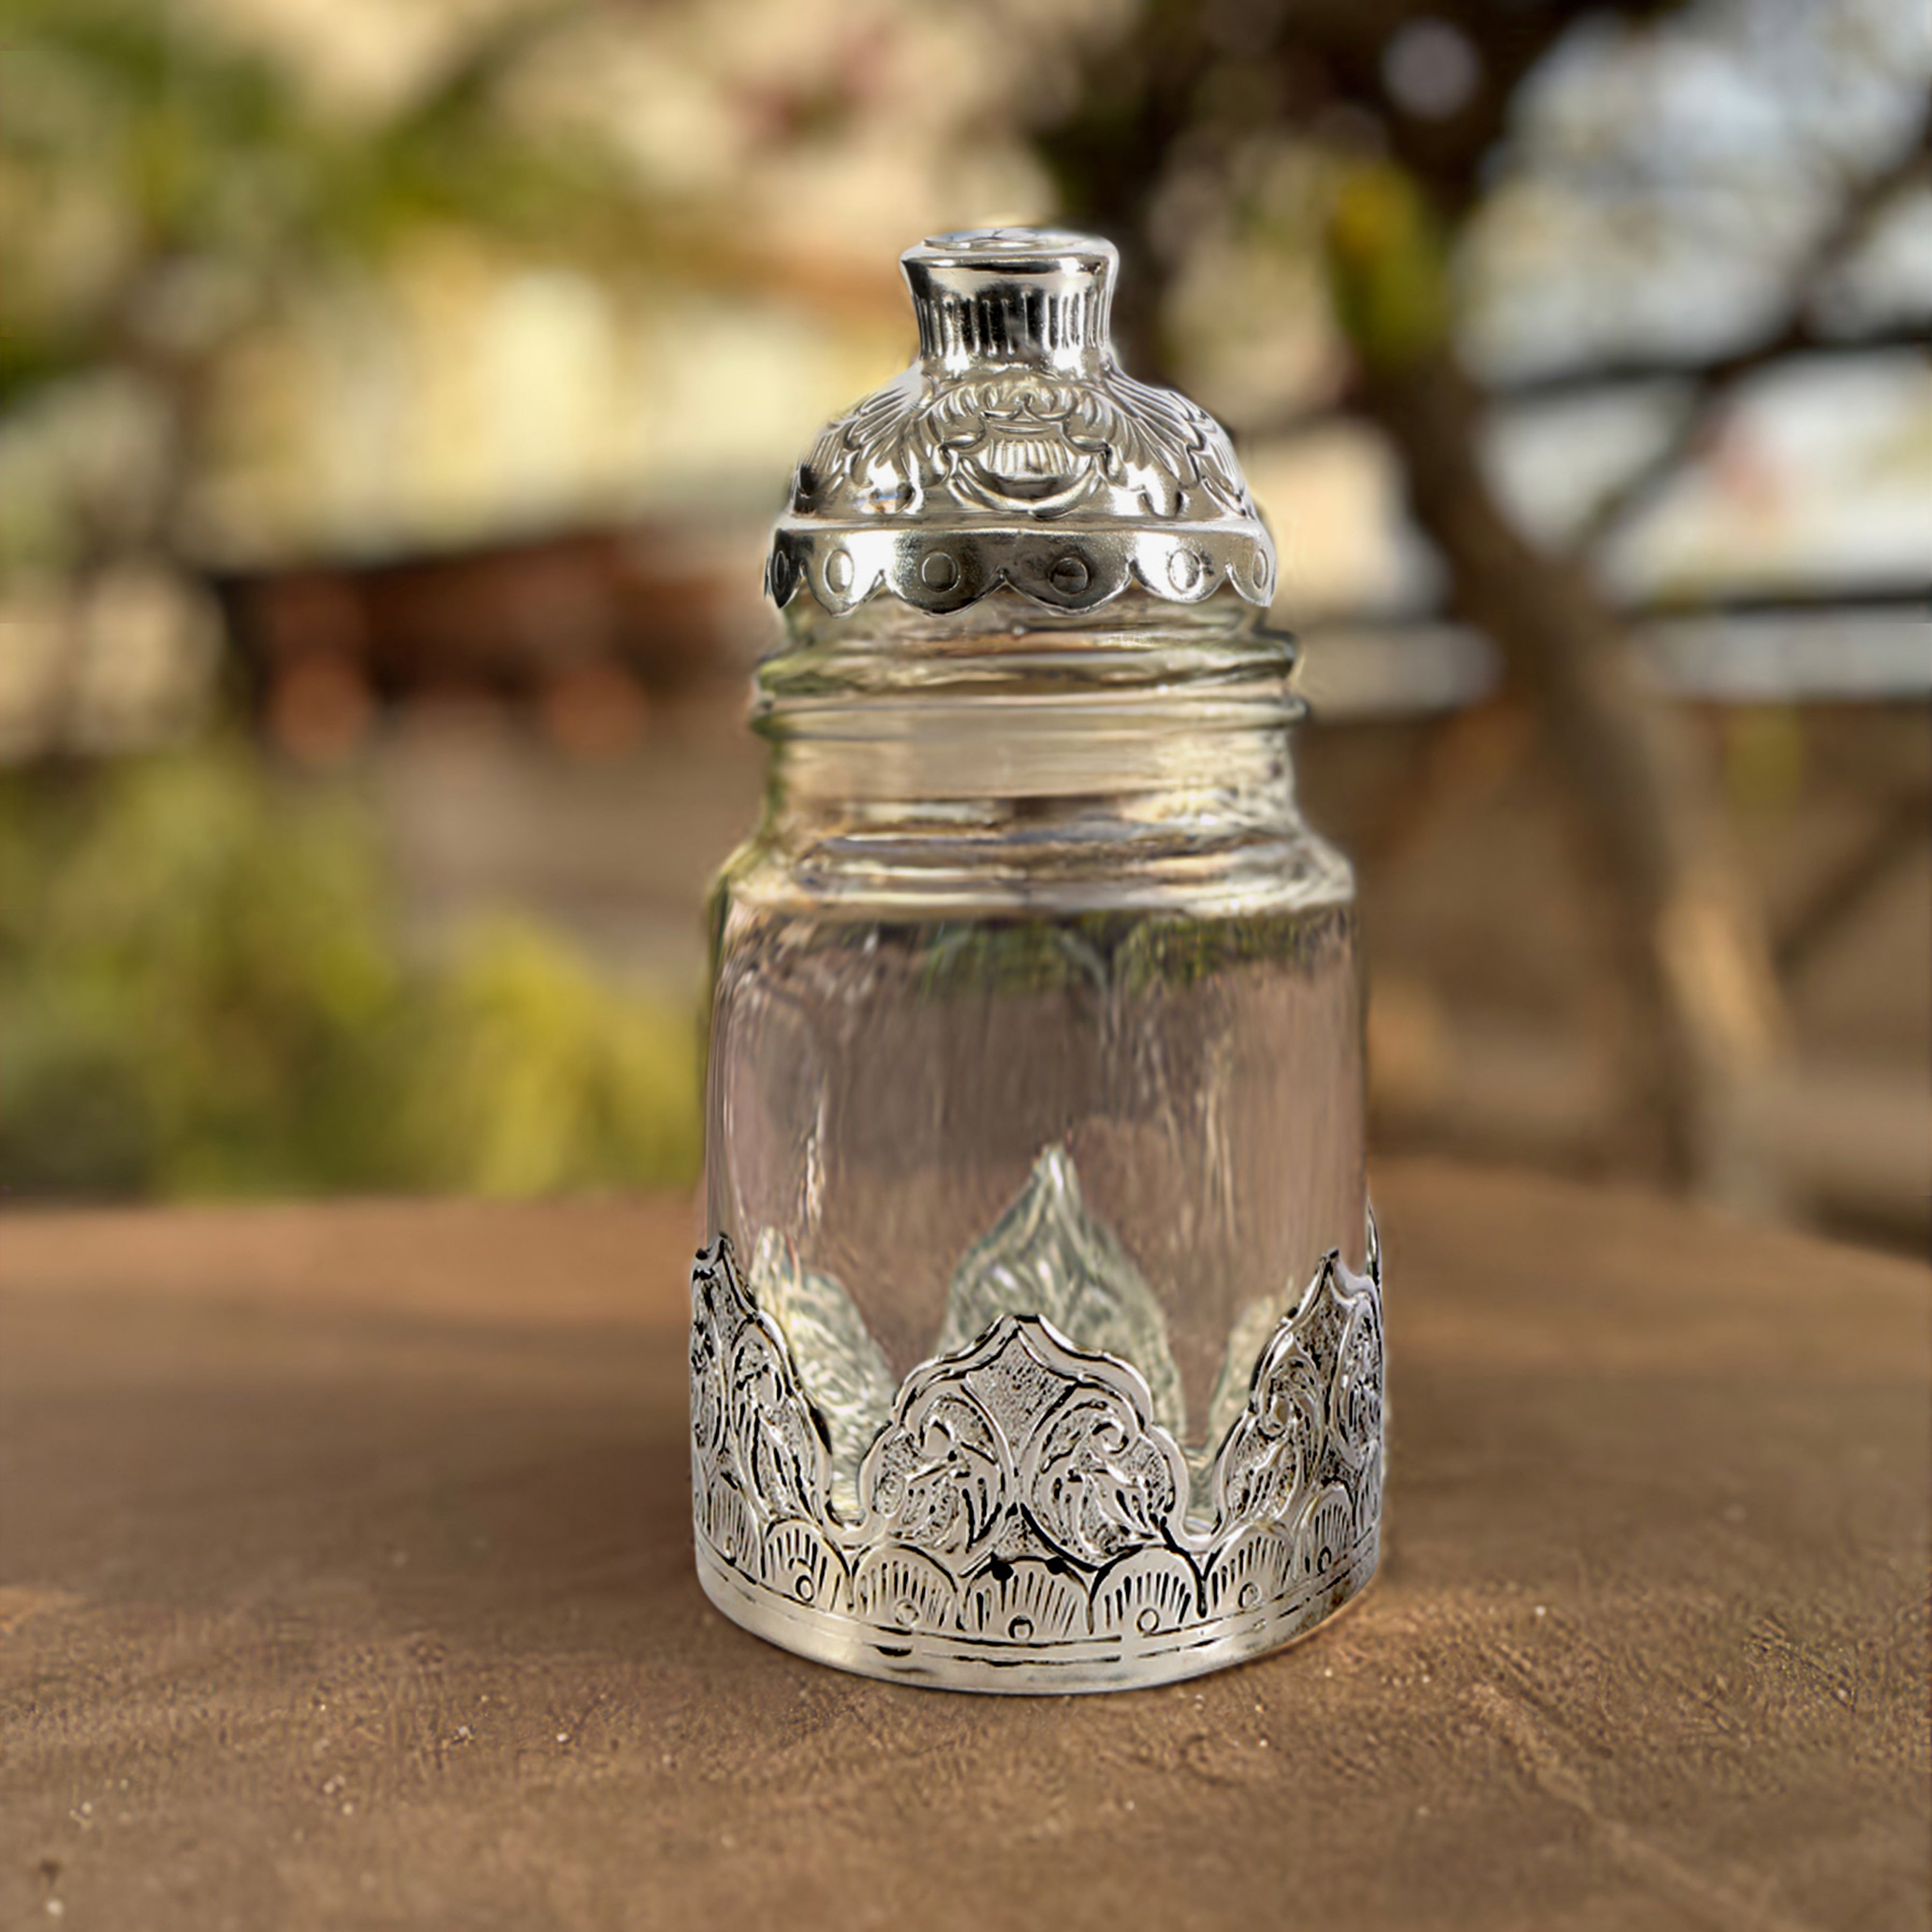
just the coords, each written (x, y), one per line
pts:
(346, 1581)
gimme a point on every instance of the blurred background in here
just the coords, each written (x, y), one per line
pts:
(394, 395)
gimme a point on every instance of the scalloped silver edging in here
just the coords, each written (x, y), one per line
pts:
(1066, 568)
(1022, 1522)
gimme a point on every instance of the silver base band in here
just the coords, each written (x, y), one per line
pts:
(1020, 1669)
(1019, 1519)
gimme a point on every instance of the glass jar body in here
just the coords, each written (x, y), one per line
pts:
(985, 1025)
(1038, 1345)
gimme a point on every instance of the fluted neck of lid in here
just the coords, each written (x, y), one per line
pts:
(1016, 455)
(995, 297)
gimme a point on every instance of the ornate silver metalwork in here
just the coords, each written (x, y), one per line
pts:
(965, 792)
(1021, 1520)
(1015, 451)
(1048, 1256)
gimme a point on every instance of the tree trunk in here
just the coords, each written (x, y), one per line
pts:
(1692, 944)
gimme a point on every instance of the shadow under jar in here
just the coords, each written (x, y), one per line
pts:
(1038, 1347)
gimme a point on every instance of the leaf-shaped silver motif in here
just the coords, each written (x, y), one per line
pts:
(1229, 1396)
(940, 1476)
(1098, 1481)
(867, 463)
(844, 1373)
(1266, 1463)
(1047, 1255)
(1161, 433)
(1020, 1443)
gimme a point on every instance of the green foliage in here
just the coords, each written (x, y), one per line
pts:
(200, 993)
(534, 1076)
(200, 989)
(163, 185)
(1388, 266)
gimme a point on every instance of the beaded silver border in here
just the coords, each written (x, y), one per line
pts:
(1022, 1522)
(1068, 568)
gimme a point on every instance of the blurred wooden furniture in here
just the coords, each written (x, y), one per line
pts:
(585, 628)
(345, 1580)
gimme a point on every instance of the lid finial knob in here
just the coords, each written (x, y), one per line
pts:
(995, 295)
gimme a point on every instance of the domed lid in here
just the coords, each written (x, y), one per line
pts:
(1014, 451)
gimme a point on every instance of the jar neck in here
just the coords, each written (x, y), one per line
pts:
(1143, 757)
(915, 755)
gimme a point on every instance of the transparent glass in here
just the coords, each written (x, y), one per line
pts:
(1032, 967)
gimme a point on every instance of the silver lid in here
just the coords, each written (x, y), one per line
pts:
(1015, 451)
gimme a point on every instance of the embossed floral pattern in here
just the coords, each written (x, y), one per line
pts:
(1022, 1492)
(1023, 442)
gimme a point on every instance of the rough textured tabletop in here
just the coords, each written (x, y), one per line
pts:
(345, 1580)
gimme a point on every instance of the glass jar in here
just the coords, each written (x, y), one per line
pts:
(1038, 1345)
